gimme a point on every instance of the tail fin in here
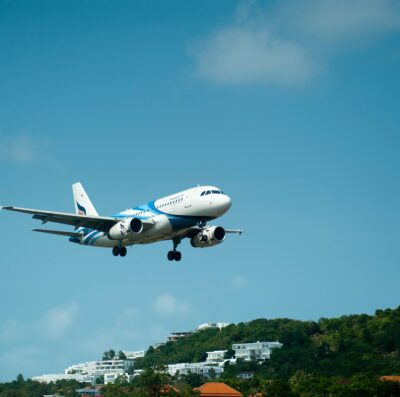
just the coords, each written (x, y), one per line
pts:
(83, 205)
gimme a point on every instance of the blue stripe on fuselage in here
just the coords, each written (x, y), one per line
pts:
(177, 221)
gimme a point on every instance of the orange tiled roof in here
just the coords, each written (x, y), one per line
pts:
(217, 389)
(394, 378)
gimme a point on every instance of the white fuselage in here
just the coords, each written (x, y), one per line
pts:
(169, 216)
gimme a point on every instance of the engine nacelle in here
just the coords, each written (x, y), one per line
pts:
(211, 236)
(124, 228)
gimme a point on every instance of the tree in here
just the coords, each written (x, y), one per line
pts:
(100, 380)
(20, 378)
(212, 373)
(277, 388)
(193, 379)
(109, 355)
(152, 382)
(121, 380)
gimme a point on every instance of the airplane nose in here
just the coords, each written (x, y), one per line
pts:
(226, 202)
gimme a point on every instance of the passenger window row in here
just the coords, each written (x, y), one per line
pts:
(170, 202)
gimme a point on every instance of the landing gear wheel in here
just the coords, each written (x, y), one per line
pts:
(116, 250)
(204, 238)
(122, 251)
(174, 256)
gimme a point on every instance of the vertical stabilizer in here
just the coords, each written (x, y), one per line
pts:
(83, 205)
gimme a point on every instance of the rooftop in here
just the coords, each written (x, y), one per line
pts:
(217, 389)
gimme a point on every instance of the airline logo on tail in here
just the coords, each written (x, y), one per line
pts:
(81, 210)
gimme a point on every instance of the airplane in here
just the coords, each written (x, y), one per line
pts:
(181, 215)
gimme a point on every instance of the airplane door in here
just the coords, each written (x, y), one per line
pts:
(188, 202)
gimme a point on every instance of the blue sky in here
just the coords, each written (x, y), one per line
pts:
(290, 107)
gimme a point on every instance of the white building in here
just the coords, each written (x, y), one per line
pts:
(109, 369)
(132, 355)
(174, 336)
(81, 368)
(102, 367)
(48, 378)
(255, 350)
(110, 378)
(115, 366)
(212, 325)
(194, 368)
(216, 356)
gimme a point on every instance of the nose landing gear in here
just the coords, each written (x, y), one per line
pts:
(175, 255)
(203, 237)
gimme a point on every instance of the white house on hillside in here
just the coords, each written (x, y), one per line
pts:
(216, 356)
(255, 351)
(212, 325)
(194, 368)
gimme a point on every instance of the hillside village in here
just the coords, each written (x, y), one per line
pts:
(356, 355)
(113, 366)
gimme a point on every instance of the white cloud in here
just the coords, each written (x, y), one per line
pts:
(334, 20)
(22, 149)
(167, 304)
(19, 149)
(238, 55)
(239, 282)
(289, 43)
(59, 320)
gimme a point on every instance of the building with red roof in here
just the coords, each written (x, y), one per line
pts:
(217, 389)
(390, 378)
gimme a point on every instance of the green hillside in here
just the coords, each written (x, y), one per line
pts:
(330, 347)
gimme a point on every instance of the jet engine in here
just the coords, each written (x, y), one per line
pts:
(209, 237)
(122, 229)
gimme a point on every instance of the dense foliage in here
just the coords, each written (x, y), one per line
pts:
(310, 385)
(150, 383)
(29, 388)
(156, 383)
(330, 347)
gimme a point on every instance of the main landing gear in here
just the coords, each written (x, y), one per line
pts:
(175, 255)
(117, 250)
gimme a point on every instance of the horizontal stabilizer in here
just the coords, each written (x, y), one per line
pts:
(239, 231)
(59, 232)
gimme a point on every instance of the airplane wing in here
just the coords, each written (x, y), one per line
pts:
(102, 223)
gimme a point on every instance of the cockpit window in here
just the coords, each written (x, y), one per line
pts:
(206, 192)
